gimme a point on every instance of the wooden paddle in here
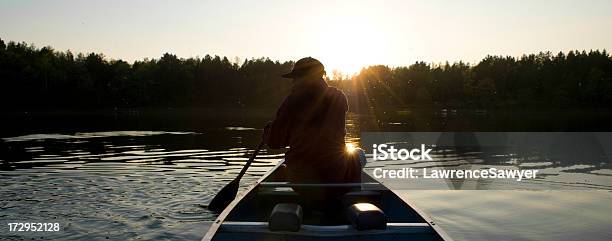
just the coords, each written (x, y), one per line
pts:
(228, 193)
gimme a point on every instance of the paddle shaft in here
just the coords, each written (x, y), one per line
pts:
(248, 163)
(225, 196)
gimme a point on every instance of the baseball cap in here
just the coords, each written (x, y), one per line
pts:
(306, 66)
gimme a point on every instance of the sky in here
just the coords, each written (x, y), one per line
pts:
(344, 35)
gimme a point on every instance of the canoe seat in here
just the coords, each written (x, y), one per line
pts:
(286, 217)
(351, 198)
(366, 216)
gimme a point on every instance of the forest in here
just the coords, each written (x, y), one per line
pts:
(43, 79)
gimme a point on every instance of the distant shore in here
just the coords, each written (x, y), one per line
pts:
(199, 119)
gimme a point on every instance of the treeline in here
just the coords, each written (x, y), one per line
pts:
(539, 81)
(44, 79)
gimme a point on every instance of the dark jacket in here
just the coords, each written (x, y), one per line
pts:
(311, 121)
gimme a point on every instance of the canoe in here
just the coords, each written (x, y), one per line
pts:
(248, 216)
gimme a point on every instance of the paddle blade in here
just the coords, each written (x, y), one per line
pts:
(224, 197)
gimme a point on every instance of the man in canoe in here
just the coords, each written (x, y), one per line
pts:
(311, 121)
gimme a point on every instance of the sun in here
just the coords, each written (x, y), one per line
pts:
(349, 44)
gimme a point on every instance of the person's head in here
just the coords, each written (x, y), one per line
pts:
(306, 70)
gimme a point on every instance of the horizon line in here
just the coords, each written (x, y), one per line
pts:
(232, 59)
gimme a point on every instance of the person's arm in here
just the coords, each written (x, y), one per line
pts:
(276, 133)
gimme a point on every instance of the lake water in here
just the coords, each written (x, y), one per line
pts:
(154, 185)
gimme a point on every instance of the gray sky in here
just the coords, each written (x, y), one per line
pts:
(343, 34)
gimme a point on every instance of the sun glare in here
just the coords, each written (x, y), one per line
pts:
(350, 43)
(350, 147)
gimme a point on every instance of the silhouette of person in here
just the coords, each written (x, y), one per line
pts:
(311, 121)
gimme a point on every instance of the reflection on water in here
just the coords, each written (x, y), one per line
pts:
(153, 185)
(124, 185)
(519, 215)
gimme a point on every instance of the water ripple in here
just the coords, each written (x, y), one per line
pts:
(146, 183)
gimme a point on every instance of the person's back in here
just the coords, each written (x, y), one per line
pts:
(311, 121)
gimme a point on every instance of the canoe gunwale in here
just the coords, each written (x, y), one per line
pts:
(210, 234)
(329, 185)
(425, 216)
(328, 231)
